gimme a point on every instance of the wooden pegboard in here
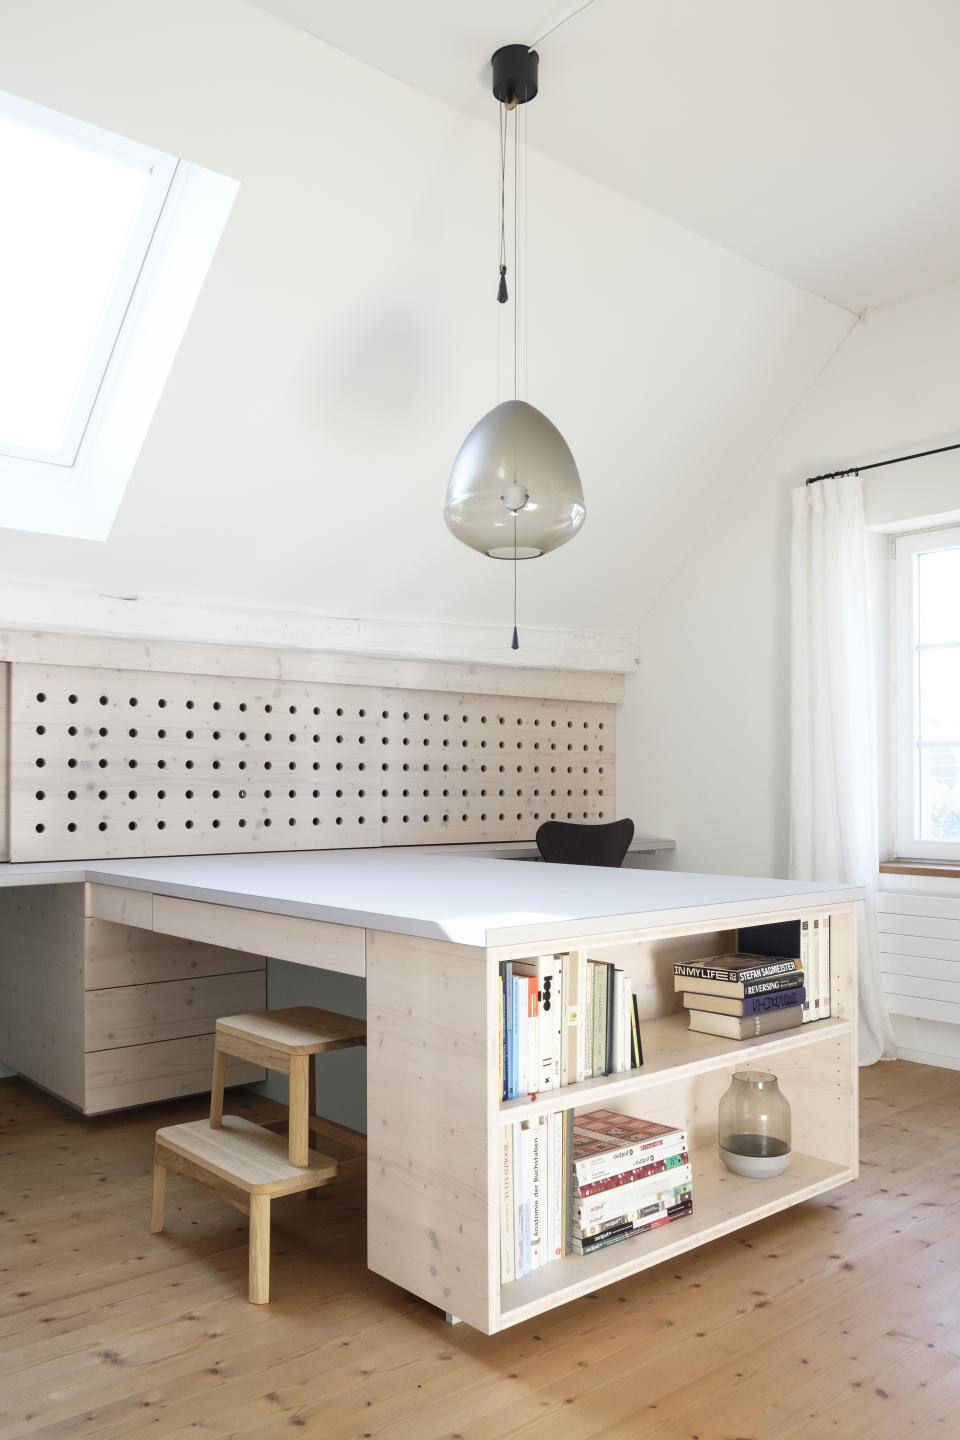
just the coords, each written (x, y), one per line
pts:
(118, 763)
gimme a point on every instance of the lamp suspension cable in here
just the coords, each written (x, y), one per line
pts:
(879, 464)
(565, 20)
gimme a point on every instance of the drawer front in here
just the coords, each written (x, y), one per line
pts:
(283, 937)
(143, 1014)
(125, 907)
(119, 955)
(139, 1074)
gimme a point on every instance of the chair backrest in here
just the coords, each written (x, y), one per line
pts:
(564, 843)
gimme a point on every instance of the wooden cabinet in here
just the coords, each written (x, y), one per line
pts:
(103, 1012)
(436, 1117)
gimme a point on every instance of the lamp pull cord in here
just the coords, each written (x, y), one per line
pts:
(502, 287)
(515, 642)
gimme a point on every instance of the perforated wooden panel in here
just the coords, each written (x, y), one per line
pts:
(125, 763)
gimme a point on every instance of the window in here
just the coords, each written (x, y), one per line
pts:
(104, 247)
(927, 631)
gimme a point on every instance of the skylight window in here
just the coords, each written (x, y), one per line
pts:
(103, 250)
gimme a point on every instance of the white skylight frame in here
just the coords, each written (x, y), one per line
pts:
(78, 492)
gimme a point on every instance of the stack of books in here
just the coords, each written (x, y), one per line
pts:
(629, 1176)
(739, 996)
(564, 1018)
(536, 1156)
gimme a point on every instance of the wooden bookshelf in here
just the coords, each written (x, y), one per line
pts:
(670, 1047)
(721, 1202)
(437, 1117)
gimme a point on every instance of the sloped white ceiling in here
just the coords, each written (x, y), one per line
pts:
(346, 339)
(818, 138)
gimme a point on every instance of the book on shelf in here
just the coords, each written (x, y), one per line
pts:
(734, 967)
(810, 940)
(750, 1005)
(658, 1163)
(630, 1176)
(536, 1156)
(607, 1143)
(563, 1018)
(633, 1201)
(545, 1036)
(739, 989)
(745, 1027)
(627, 1232)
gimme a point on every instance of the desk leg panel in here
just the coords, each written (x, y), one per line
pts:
(431, 1207)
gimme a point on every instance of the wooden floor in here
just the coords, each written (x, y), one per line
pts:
(839, 1318)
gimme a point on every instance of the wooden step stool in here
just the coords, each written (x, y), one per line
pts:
(249, 1165)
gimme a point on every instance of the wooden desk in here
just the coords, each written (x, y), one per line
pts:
(428, 932)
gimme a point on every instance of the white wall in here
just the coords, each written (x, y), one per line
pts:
(346, 339)
(706, 761)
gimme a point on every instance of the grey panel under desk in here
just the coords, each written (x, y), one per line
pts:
(341, 1075)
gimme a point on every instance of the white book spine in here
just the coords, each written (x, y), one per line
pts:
(520, 1188)
(536, 1195)
(558, 1010)
(806, 965)
(521, 1039)
(817, 952)
(582, 1017)
(564, 1018)
(628, 1022)
(556, 1124)
(507, 1252)
(825, 964)
(534, 1067)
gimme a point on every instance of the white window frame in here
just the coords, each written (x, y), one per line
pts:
(81, 498)
(904, 729)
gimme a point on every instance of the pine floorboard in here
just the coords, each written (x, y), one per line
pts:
(837, 1318)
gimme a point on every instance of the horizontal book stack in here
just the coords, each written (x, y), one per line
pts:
(740, 996)
(536, 1156)
(564, 1018)
(629, 1176)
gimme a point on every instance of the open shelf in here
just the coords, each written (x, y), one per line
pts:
(671, 1049)
(721, 1202)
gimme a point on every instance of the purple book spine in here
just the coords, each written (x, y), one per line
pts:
(775, 1000)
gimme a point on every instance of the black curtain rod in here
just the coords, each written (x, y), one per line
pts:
(876, 465)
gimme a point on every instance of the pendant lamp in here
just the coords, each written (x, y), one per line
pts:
(514, 491)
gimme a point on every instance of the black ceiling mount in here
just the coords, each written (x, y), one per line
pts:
(515, 74)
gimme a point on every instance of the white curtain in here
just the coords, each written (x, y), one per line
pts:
(833, 746)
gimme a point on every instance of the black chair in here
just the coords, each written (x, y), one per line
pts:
(563, 843)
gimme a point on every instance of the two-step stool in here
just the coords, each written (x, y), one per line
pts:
(250, 1165)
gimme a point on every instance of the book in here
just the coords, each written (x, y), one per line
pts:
(608, 1143)
(506, 1028)
(507, 1253)
(824, 967)
(610, 1036)
(621, 1167)
(750, 1005)
(736, 967)
(613, 1237)
(563, 1019)
(745, 1026)
(565, 1172)
(788, 980)
(636, 1046)
(599, 1037)
(628, 1201)
(543, 1051)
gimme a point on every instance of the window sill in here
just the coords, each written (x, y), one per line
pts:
(943, 869)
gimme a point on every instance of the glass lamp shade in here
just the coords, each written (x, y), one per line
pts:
(514, 462)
